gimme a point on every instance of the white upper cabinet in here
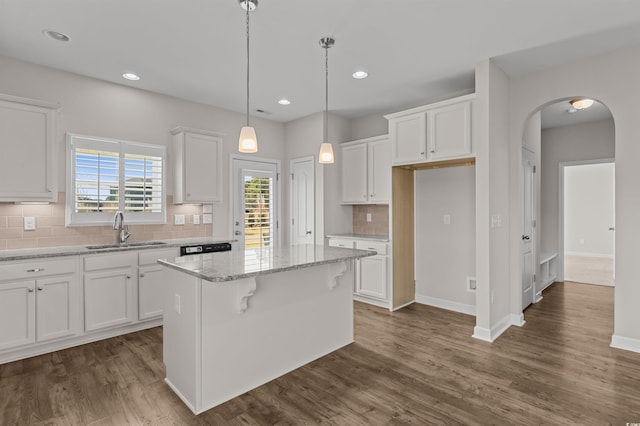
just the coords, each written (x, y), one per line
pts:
(449, 131)
(434, 132)
(409, 138)
(28, 160)
(197, 166)
(366, 171)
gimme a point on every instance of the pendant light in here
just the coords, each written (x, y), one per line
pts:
(326, 150)
(248, 142)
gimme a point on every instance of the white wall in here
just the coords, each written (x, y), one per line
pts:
(588, 209)
(578, 142)
(612, 79)
(98, 108)
(491, 144)
(369, 126)
(445, 254)
(303, 138)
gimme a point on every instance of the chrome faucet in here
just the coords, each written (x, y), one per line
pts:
(118, 223)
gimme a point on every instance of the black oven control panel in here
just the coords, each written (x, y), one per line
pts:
(204, 248)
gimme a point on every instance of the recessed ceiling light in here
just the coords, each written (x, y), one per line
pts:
(56, 35)
(284, 102)
(360, 75)
(131, 76)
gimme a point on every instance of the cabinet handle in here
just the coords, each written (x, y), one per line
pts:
(422, 153)
(188, 194)
(40, 288)
(433, 151)
(35, 270)
(128, 277)
(373, 195)
(30, 290)
(141, 275)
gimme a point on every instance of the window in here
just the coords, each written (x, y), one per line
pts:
(105, 176)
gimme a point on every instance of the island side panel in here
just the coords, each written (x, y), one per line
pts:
(181, 335)
(292, 318)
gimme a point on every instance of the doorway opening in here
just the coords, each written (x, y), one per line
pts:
(587, 196)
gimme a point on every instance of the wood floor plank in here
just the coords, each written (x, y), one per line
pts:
(418, 365)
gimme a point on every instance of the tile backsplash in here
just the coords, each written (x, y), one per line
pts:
(379, 224)
(50, 229)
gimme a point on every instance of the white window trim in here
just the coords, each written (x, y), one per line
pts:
(100, 219)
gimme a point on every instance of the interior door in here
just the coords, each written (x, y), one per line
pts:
(254, 202)
(303, 201)
(528, 229)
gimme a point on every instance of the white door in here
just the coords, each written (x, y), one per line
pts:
(108, 298)
(354, 173)
(379, 171)
(254, 185)
(150, 297)
(303, 201)
(372, 274)
(528, 229)
(17, 316)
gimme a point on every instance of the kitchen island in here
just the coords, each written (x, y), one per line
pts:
(236, 320)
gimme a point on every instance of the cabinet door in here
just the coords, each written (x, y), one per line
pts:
(202, 168)
(372, 277)
(27, 163)
(379, 171)
(450, 131)
(57, 307)
(150, 297)
(108, 298)
(408, 138)
(17, 314)
(354, 173)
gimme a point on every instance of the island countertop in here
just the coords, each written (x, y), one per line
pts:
(239, 264)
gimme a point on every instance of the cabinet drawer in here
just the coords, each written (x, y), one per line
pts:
(37, 268)
(381, 248)
(150, 257)
(96, 263)
(339, 242)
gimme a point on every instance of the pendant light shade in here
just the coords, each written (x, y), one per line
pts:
(248, 142)
(326, 150)
(583, 103)
(326, 153)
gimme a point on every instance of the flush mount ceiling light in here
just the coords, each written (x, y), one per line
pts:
(359, 75)
(131, 76)
(56, 35)
(284, 102)
(248, 142)
(583, 103)
(326, 150)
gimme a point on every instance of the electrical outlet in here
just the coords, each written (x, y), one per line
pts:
(207, 218)
(471, 284)
(29, 223)
(178, 219)
(196, 219)
(207, 208)
(368, 217)
(446, 219)
(496, 221)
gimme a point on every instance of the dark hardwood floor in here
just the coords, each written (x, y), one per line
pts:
(415, 366)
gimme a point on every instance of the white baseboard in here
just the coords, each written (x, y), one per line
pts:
(490, 336)
(626, 343)
(517, 319)
(587, 254)
(446, 304)
(380, 303)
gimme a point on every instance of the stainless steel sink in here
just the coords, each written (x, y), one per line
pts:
(141, 244)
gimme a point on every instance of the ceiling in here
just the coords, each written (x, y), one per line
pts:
(415, 51)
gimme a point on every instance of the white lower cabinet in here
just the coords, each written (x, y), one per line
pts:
(109, 281)
(372, 273)
(150, 281)
(36, 305)
(371, 277)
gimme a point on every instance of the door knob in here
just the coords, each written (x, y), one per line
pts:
(612, 229)
(238, 233)
(525, 237)
(308, 233)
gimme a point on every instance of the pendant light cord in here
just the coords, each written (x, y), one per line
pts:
(326, 93)
(248, 7)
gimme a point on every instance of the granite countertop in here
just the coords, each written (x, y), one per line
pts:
(238, 264)
(38, 253)
(381, 238)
